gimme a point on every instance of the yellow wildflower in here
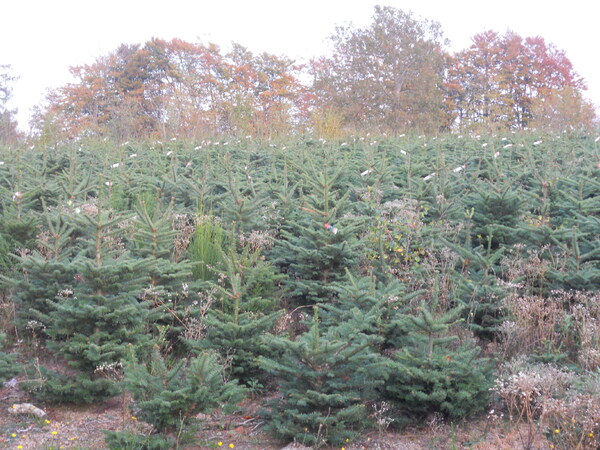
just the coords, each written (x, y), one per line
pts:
(55, 433)
(219, 443)
(231, 446)
(13, 435)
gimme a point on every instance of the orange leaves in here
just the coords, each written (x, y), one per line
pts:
(502, 81)
(179, 88)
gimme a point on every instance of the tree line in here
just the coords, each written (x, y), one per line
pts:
(391, 76)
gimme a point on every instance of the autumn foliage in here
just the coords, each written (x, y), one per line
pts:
(178, 88)
(393, 76)
(507, 82)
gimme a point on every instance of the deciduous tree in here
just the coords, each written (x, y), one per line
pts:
(8, 123)
(385, 77)
(507, 82)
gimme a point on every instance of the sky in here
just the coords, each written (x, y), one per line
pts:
(41, 39)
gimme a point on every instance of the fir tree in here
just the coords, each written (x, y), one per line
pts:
(241, 200)
(9, 367)
(169, 394)
(46, 272)
(247, 310)
(496, 215)
(167, 288)
(93, 323)
(318, 247)
(430, 373)
(324, 380)
(364, 294)
(475, 275)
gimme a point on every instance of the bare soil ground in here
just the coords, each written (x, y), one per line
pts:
(71, 427)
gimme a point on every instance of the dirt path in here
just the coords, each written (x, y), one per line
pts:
(70, 427)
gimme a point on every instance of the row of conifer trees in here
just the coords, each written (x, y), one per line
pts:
(345, 275)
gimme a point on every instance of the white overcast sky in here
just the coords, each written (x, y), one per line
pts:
(41, 39)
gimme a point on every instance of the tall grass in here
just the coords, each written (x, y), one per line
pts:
(205, 249)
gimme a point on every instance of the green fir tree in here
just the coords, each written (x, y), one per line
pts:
(169, 393)
(321, 243)
(431, 371)
(93, 323)
(324, 378)
(246, 311)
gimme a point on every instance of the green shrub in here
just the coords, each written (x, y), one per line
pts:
(431, 373)
(8, 362)
(324, 380)
(168, 394)
(53, 387)
(126, 440)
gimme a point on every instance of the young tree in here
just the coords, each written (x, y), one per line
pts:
(325, 378)
(320, 243)
(430, 372)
